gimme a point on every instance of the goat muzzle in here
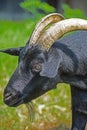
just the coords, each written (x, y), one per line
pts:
(12, 98)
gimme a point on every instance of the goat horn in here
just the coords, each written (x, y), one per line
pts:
(51, 18)
(57, 30)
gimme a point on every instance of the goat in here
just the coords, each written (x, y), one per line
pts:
(46, 61)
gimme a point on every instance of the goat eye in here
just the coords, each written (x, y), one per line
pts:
(36, 67)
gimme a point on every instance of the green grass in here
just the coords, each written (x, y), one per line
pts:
(51, 109)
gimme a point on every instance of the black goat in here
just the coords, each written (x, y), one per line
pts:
(42, 65)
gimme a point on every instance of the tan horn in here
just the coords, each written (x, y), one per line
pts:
(59, 29)
(44, 22)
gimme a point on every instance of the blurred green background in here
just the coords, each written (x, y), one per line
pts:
(52, 110)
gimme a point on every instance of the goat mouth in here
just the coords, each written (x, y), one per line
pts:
(13, 102)
(16, 103)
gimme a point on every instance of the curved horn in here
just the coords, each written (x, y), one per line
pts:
(59, 29)
(51, 18)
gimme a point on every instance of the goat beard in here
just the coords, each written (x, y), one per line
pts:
(31, 112)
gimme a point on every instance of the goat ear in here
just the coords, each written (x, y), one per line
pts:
(12, 51)
(50, 67)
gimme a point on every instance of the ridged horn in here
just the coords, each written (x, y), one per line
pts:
(59, 29)
(44, 22)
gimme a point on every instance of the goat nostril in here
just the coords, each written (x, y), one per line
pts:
(11, 94)
(12, 98)
(7, 95)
